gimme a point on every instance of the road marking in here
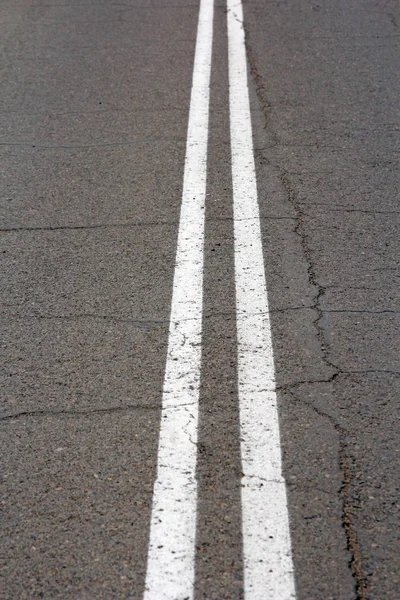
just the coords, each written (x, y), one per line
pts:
(268, 568)
(170, 563)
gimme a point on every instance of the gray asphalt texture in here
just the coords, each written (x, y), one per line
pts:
(93, 117)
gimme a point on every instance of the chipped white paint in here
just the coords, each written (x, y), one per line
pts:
(170, 565)
(266, 539)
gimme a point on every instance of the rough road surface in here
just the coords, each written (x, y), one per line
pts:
(94, 107)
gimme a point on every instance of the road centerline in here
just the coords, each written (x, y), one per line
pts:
(170, 563)
(268, 567)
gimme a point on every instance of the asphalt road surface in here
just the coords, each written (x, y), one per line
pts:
(200, 308)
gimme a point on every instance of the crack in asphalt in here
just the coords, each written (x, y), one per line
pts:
(80, 227)
(88, 412)
(362, 211)
(344, 208)
(347, 467)
(126, 225)
(362, 311)
(345, 459)
(142, 322)
(50, 413)
(111, 318)
(391, 16)
(339, 373)
(100, 111)
(99, 145)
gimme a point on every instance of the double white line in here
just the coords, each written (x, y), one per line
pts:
(268, 570)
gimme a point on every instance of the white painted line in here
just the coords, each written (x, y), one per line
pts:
(170, 564)
(268, 567)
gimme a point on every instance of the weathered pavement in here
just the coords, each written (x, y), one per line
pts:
(94, 109)
(325, 78)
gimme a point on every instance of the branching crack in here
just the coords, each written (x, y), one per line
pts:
(345, 460)
(346, 465)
